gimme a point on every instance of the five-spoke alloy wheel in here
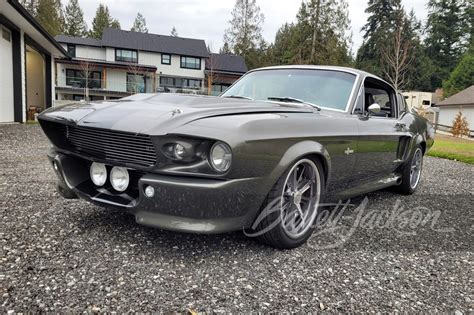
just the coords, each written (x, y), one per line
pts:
(288, 214)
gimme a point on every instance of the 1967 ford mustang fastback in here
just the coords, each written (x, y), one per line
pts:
(262, 157)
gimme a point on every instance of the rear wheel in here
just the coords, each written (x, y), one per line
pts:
(288, 214)
(411, 173)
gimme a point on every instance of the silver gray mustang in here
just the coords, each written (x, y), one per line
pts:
(261, 157)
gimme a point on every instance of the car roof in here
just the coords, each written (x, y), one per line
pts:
(318, 67)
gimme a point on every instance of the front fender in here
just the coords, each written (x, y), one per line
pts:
(299, 150)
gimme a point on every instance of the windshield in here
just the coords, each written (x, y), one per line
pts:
(325, 88)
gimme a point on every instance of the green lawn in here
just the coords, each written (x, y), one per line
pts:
(453, 148)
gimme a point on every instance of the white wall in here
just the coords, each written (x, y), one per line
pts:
(6, 79)
(116, 80)
(448, 113)
(90, 52)
(35, 78)
(110, 54)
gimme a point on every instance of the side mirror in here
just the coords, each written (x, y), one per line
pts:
(374, 109)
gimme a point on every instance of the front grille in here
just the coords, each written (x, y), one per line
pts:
(116, 146)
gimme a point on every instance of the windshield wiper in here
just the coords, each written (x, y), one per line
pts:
(287, 99)
(239, 96)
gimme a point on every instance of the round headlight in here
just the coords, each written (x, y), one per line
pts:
(98, 174)
(119, 178)
(221, 156)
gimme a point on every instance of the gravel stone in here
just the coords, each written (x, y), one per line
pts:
(62, 255)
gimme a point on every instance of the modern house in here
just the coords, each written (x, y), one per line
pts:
(27, 54)
(461, 102)
(222, 70)
(125, 62)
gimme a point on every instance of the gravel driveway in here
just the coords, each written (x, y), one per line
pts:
(59, 255)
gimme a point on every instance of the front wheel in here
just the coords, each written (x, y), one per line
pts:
(411, 173)
(288, 214)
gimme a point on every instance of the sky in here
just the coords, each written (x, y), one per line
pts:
(207, 19)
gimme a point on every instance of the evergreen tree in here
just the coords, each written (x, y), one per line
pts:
(320, 35)
(225, 49)
(174, 32)
(448, 34)
(101, 21)
(49, 14)
(114, 23)
(462, 76)
(322, 29)
(383, 15)
(244, 34)
(139, 25)
(30, 6)
(74, 20)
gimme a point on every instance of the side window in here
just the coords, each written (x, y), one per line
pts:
(377, 92)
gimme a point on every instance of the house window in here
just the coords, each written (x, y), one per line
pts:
(167, 81)
(71, 50)
(6, 34)
(77, 78)
(190, 62)
(165, 59)
(191, 83)
(126, 55)
(180, 83)
(136, 83)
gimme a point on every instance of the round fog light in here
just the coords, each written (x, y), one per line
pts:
(119, 178)
(98, 174)
(179, 151)
(149, 191)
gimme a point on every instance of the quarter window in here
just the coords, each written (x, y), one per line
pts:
(126, 55)
(165, 59)
(190, 62)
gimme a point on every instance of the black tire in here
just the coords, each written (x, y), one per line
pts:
(408, 186)
(66, 192)
(270, 228)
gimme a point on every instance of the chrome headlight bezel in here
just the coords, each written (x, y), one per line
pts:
(220, 151)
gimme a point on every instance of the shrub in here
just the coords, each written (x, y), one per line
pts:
(460, 126)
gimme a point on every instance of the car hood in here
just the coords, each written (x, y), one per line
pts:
(157, 114)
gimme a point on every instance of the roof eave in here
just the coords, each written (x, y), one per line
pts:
(27, 16)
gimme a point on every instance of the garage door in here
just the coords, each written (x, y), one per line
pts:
(6, 76)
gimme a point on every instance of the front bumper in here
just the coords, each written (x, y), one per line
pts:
(187, 204)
